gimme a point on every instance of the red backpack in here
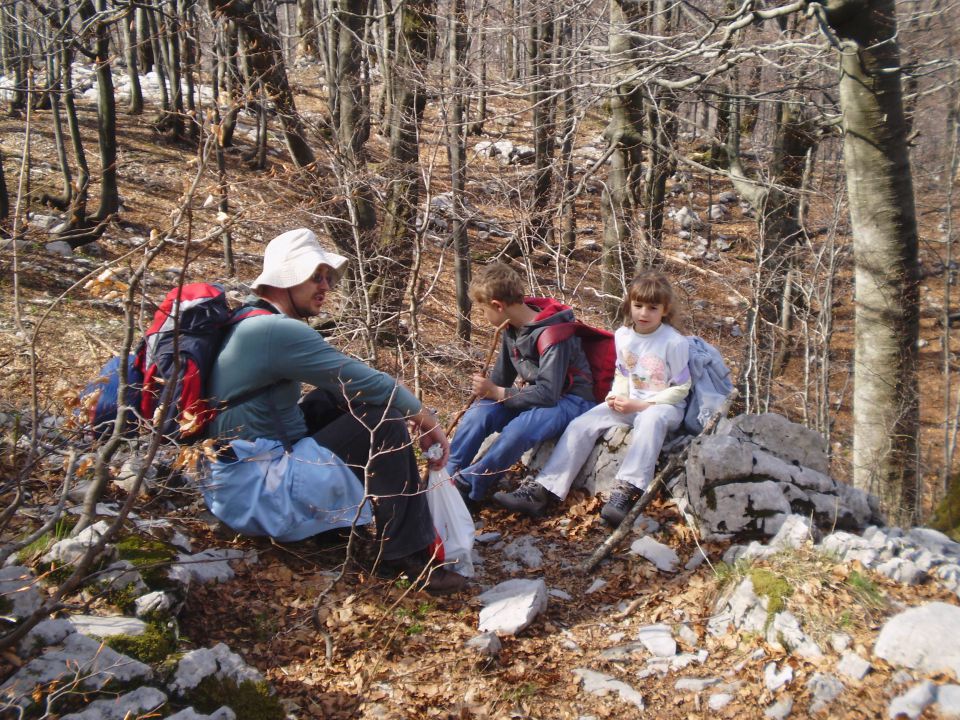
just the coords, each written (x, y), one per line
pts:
(597, 345)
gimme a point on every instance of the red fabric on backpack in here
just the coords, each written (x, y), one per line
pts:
(191, 320)
(597, 345)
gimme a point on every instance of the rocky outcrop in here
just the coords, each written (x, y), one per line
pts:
(757, 470)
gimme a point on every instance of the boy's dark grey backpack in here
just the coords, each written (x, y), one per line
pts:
(710, 384)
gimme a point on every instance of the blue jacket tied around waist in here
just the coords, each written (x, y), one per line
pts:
(269, 492)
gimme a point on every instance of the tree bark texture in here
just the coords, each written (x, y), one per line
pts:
(882, 214)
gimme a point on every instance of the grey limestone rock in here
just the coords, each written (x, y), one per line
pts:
(781, 709)
(741, 608)
(658, 640)
(79, 658)
(102, 626)
(154, 603)
(512, 605)
(223, 713)
(825, 689)
(18, 587)
(45, 633)
(914, 701)
(70, 550)
(774, 679)
(914, 638)
(487, 644)
(598, 683)
(206, 566)
(138, 703)
(219, 661)
(948, 701)
(663, 557)
(525, 551)
(696, 685)
(853, 666)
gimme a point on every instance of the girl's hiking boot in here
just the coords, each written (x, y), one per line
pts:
(421, 570)
(531, 498)
(621, 500)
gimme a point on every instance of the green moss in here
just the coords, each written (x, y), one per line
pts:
(152, 647)
(249, 700)
(123, 598)
(772, 586)
(149, 556)
(946, 517)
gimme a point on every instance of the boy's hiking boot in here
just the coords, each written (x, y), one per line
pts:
(464, 488)
(420, 569)
(531, 498)
(621, 500)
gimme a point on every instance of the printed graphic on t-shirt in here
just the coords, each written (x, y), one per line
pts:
(646, 373)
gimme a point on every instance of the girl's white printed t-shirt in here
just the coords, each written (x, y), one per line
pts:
(652, 367)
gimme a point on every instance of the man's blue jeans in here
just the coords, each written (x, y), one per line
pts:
(519, 431)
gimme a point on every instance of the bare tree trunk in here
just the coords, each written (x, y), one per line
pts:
(456, 144)
(880, 188)
(624, 133)
(130, 52)
(418, 21)
(540, 231)
(308, 46)
(106, 119)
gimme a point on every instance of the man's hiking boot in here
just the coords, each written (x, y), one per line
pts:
(621, 500)
(420, 569)
(531, 498)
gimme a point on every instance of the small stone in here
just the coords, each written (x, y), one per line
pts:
(658, 640)
(853, 666)
(600, 684)
(597, 584)
(825, 689)
(718, 701)
(204, 662)
(775, 680)
(663, 557)
(512, 605)
(524, 551)
(781, 709)
(688, 635)
(154, 603)
(488, 537)
(696, 684)
(60, 248)
(487, 644)
(18, 588)
(840, 642)
(913, 702)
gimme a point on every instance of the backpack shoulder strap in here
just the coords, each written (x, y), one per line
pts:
(553, 334)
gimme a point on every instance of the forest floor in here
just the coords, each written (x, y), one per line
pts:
(398, 654)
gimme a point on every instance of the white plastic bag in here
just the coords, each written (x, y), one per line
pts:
(452, 521)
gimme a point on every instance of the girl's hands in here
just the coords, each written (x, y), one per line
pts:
(626, 405)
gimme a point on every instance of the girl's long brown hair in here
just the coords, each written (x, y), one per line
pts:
(651, 287)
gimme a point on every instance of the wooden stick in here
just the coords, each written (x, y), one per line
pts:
(655, 486)
(483, 371)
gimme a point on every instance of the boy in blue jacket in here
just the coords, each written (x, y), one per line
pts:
(552, 388)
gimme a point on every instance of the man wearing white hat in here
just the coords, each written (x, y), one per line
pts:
(356, 415)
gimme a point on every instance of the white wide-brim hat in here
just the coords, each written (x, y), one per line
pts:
(291, 258)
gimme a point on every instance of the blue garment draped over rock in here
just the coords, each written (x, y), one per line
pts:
(286, 496)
